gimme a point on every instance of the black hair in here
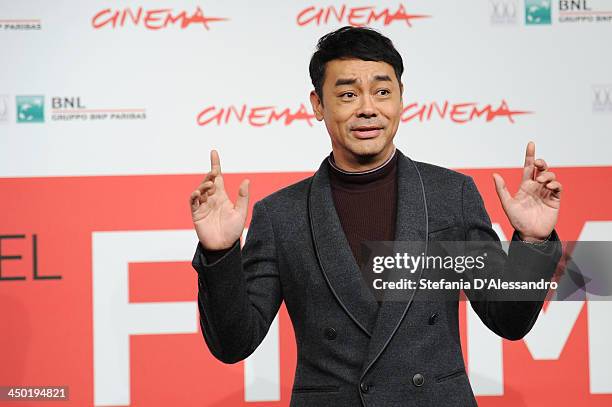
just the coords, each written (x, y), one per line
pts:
(352, 42)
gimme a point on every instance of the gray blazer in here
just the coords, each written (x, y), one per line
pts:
(350, 353)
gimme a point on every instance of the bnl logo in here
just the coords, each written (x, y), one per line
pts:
(537, 12)
(31, 109)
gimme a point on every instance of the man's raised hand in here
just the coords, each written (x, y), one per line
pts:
(217, 221)
(534, 209)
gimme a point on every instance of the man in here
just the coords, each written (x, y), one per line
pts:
(303, 247)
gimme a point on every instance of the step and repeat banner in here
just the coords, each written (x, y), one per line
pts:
(108, 113)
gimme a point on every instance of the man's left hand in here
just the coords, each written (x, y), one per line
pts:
(533, 211)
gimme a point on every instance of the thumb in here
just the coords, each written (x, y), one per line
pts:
(500, 187)
(242, 202)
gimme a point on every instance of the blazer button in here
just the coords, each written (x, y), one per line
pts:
(364, 387)
(330, 333)
(418, 380)
(433, 318)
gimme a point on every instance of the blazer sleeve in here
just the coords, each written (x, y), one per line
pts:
(239, 293)
(514, 316)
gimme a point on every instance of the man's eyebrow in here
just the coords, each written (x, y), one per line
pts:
(345, 81)
(352, 81)
(382, 78)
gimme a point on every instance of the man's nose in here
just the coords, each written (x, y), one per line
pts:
(367, 108)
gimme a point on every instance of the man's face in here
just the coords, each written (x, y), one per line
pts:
(361, 107)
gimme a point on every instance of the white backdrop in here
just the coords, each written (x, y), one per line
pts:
(259, 57)
(108, 111)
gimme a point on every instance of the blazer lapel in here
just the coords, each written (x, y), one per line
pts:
(409, 226)
(334, 254)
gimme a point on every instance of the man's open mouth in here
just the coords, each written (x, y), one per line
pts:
(366, 131)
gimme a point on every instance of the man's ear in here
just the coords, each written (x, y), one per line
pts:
(317, 105)
(402, 94)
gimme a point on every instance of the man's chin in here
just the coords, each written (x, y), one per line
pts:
(366, 154)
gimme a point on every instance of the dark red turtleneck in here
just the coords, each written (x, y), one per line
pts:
(366, 202)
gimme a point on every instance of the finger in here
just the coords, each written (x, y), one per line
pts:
(242, 202)
(194, 200)
(555, 186)
(546, 177)
(500, 187)
(528, 168)
(215, 178)
(194, 196)
(205, 187)
(215, 162)
(202, 196)
(205, 184)
(210, 176)
(540, 166)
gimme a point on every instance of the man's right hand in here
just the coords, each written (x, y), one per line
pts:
(217, 221)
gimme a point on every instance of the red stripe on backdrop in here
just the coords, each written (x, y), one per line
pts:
(47, 323)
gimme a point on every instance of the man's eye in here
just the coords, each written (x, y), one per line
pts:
(347, 95)
(383, 92)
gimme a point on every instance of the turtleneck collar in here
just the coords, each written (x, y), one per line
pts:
(382, 174)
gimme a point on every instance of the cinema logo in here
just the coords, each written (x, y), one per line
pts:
(256, 116)
(73, 109)
(460, 113)
(356, 16)
(152, 19)
(32, 24)
(602, 98)
(260, 116)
